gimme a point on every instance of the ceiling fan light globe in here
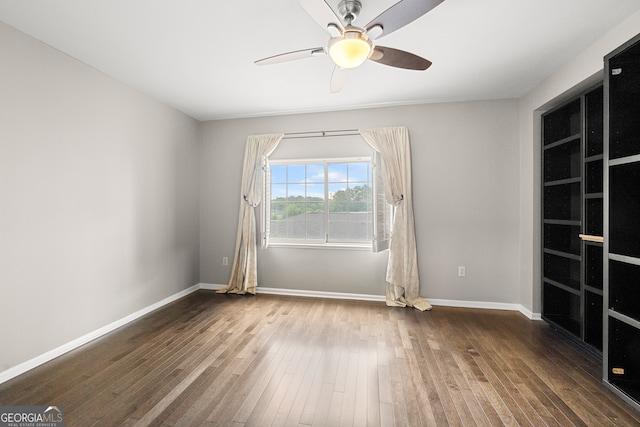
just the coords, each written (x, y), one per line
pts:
(350, 50)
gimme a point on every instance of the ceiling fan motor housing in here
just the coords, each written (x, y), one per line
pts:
(349, 10)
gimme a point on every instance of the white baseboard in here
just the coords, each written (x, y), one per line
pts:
(487, 306)
(530, 314)
(65, 348)
(59, 351)
(302, 293)
(211, 287)
(321, 294)
(381, 298)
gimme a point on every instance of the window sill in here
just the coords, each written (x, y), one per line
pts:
(330, 246)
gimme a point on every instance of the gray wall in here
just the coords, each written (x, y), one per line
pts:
(466, 202)
(98, 199)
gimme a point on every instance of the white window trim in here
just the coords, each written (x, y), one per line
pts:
(381, 211)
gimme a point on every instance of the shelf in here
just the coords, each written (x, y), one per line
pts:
(624, 103)
(624, 289)
(563, 161)
(625, 160)
(563, 222)
(624, 319)
(563, 141)
(566, 181)
(624, 357)
(624, 258)
(622, 277)
(594, 290)
(562, 286)
(562, 254)
(562, 308)
(562, 202)
(562, 122)
(562, 270)
(572, 200)
(624, 209)
(563, 238)
(622, 285)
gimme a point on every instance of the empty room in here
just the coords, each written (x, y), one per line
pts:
(320, 212)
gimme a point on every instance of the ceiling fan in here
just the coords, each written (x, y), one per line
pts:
(349, 46)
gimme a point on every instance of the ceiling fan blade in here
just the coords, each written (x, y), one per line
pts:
(322, 13)
(400, 14)
(291, 56)
(338, 79)
(399, 58)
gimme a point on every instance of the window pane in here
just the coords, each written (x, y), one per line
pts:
(339, 216)
(338, 230)
(350, 226)
(315, 172)
(359, 172)
(296, 192)
(315, 208)
(299, 210)
(278, 210)
(295, 211)
(360, 207)
(359, 192)
(278, 173)
(337, 172)
(296, 174)
(339, 198)
(334, 188)
(338, 206)
(315, 230)
(278, 191)
(360, 229)
(279, 229)
(315, 192)
(296, 230)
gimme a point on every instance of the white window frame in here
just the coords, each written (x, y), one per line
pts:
(382, 212)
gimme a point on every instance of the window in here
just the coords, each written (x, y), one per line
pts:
(320, 202)
(318, 188)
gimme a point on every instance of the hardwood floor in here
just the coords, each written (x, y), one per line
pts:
(211, 359)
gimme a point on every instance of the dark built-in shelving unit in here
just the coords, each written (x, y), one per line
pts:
(621, 370)
(572, 217)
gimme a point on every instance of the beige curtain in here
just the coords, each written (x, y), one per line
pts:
(403, 285)
(244, 275)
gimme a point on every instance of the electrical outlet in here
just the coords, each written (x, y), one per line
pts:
(225, 260)
(462, 271)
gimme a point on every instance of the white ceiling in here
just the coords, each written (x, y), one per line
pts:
(197, 55)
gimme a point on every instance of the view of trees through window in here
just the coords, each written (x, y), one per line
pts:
(321, 201)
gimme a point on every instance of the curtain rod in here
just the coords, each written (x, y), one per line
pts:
(321, 133)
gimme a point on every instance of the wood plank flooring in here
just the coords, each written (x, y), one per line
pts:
(211, 359)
